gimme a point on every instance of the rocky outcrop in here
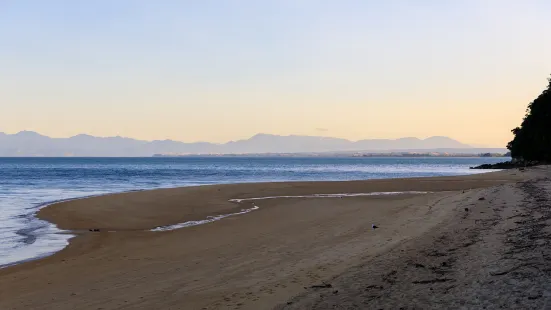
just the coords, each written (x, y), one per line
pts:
(509, 164)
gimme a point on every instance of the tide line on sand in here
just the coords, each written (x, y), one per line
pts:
(211, 219)
(331, 195)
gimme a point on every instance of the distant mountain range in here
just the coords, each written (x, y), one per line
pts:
(28, 143)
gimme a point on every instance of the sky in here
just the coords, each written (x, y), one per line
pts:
(225, 70)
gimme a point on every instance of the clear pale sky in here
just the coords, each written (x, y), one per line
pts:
(224, 70)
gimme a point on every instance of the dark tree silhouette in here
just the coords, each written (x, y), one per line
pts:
(532, 139)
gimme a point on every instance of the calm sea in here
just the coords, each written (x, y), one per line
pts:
(27, 184)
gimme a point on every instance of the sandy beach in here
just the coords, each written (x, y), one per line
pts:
(474, 241)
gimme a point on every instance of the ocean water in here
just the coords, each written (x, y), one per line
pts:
(27, 184)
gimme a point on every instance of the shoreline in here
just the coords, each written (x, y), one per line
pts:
(68, 234)
(328, 187)
(72, 233)
(212, 200)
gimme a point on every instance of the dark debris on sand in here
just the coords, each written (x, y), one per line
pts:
(500, 259)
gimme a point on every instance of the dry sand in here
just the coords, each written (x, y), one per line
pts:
(299, 253)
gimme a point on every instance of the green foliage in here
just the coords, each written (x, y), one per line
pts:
(532, 139)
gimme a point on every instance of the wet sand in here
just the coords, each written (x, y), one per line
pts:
(276, 256)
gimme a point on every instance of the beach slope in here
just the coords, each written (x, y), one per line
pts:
(289, 253)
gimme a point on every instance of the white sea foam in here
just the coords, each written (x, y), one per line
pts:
(25, 237)
(209, 219)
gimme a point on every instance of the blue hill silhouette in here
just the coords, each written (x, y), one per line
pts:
(28, 143)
